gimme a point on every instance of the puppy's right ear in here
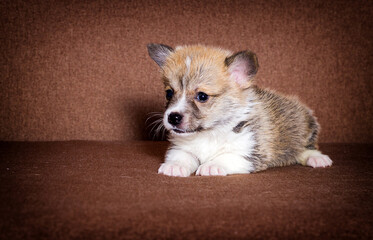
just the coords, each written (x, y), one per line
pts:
(159, 53)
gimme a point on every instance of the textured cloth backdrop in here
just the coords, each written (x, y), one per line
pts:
(80, 70)
(100, 190)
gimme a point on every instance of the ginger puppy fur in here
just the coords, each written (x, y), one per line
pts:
(221, 123)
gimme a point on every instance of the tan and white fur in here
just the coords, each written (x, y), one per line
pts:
(221, 123)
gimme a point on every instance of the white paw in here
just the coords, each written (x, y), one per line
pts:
(209, 169)
(172, 169)
(319, 161)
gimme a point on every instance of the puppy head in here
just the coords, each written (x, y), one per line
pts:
(203, 86)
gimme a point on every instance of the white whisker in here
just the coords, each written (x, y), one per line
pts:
(157, 121)
(153, 115)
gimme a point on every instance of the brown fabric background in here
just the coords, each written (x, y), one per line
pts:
(80, 70)
(101, 190)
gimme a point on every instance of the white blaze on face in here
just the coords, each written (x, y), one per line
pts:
(181, 104)
(188, 61)
(179, 107)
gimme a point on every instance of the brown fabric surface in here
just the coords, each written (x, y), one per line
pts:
(111, 190)
(80, 70)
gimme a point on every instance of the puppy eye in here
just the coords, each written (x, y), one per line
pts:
(202, 97)
(169, 94)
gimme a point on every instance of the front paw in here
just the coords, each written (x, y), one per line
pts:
(319, 161)
(175, 170)
(211, 169)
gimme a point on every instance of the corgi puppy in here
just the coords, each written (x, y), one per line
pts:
(221, 123)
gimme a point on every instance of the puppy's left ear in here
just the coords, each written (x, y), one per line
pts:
(159, 53)
(242, 67)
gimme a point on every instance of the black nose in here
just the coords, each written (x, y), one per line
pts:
(175, 118)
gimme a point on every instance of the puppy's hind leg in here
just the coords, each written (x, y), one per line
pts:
(311, 156)
(314, 158)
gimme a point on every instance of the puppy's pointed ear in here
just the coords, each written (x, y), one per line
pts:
(159, 53)
(242, 67)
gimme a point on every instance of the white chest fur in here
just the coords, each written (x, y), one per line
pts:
(206, 146)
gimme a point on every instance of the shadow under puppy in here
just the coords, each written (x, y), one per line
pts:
(221, 123)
